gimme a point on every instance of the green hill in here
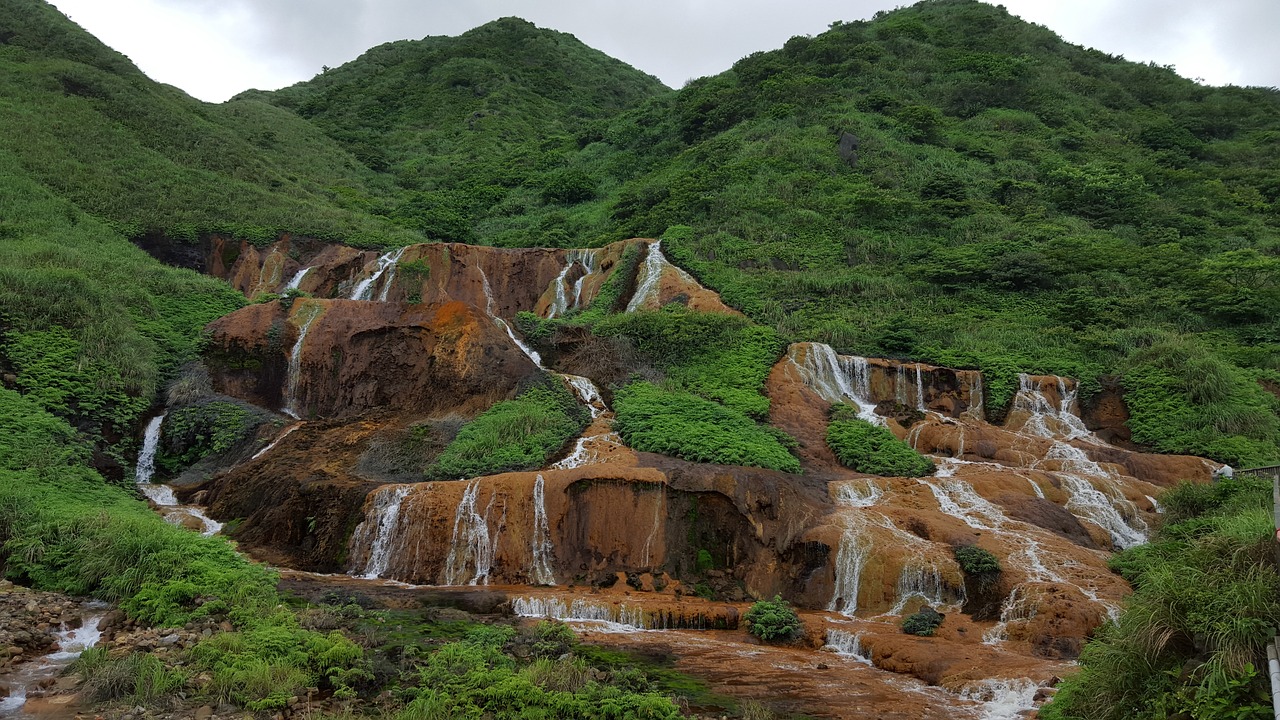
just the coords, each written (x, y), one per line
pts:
(1014, 202)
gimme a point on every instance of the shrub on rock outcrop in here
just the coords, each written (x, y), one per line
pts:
(513, 435)
(872, 449)
(678, 423)
(922, 623)
(772, 620)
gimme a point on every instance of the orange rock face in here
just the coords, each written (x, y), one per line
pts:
(1042, 492)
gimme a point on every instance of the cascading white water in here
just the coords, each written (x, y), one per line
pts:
(855, 547)
(650, 274)
(857, 493)
(1060, 423)
(560, 300)
(471, 549)
(921, 581)
(296, 280)
(648, 284)
(304, 317)
(488, 305)
(836, 379)
(23, 678)
(160, 494)
(386, 262)
(586, 258)
(620, 617)
(900, 385)
(1003, 699)
(920, 390)
(977, 399)
(378, 530)
(1155, 504)
(848, 644)
(587, 392)
(542, 547)
(147, 456)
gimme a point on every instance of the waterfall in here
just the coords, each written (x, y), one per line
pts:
(543, 549)
(855, 547)
(848, 644)
(560, 303)
(147, 456)
(587, 392)
(648, 283)
(621, 617)
(1155, 504)
(1003, 699)
(836, 379)
(857, 493)
(918, 580)
(920, 390)
(296, 280)
(977, 399)
(1018, 606)
(1044, 419)
(379, 529)
(900, 385)
(586, 258)
(308, 314)
(364, 289)
(488, 308)
(470, 545)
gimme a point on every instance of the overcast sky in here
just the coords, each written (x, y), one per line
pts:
(214, 49)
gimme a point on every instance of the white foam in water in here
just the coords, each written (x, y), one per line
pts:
(610, 617)
(1003, 699)
(586, 258)
(587, 392)
(923, 581)
(71, 642)
(1155, 504)
(379, 528)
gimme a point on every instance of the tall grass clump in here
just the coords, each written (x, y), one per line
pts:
(1191, 639)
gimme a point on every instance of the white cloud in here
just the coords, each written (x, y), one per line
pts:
(216, 48)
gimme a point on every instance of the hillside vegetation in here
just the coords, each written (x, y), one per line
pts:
(1014, 203)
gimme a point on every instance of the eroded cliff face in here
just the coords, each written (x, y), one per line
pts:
(395, 340)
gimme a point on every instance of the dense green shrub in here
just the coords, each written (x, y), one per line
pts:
(513, 435)
(974, 560)
(872, 449)
(719, 357)
(922, 623)
(205, 428)
(772, 620)
(674, 422)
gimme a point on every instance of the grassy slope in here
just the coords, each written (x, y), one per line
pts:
(82, 120)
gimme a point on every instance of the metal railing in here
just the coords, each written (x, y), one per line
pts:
(1273, 647)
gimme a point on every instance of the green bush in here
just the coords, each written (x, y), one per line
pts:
(974, 560)
(677, 423)
(873, 449)
(922, 623)
(206, 428)
(514, 435)
(772, 620)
